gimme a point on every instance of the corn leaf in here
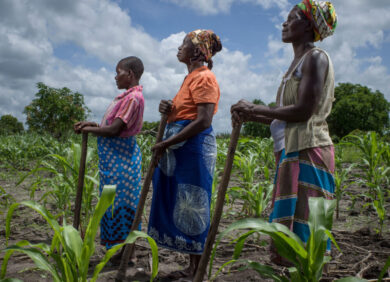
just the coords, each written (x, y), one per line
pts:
(133, 236)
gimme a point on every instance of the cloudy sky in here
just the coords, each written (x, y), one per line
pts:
(77, 43)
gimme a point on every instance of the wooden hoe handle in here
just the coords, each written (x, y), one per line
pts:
(219, 204)
(128, 253)
(80, 184)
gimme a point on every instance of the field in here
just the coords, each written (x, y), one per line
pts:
(45, 170)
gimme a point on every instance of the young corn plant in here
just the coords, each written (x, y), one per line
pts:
(255, 188)
(67, 258)
(6, 199)
(341, 176)
(145, 142)
(63, 184)
(372, 150)
(384, 270)
(308, 259)
(256, 197)
(378, 202)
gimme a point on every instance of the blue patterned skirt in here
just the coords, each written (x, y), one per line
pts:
(182, 182)
(120, 165)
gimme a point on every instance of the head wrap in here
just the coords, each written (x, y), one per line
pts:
(204, 40)
(322, 14)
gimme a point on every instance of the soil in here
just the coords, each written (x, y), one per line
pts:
(363, 251)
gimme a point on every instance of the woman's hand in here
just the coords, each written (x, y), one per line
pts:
(242, 106)
(78, 126)
(241, 112)
(239, 117)
(158, 150)
(165, 107)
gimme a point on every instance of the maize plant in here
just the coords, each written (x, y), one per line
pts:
(67, 258)
(308, 259)
(5, 199)
(145, 142)
(372, 150)
(341, 176)
(63, 184)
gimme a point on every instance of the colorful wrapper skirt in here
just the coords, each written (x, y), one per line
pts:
(120, 165)
(299, 176)
(182, 182)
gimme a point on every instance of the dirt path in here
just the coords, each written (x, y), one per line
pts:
(363, 251)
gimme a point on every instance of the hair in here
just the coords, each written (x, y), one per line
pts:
(134, 64)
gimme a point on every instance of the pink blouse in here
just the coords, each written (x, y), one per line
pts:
(129, 107)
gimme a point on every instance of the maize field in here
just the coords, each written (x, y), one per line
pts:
(38, 180)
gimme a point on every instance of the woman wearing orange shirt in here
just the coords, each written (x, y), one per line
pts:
(180, 212)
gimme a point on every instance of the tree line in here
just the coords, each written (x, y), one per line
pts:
(55, 110)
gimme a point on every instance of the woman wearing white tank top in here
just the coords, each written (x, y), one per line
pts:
(303, 148)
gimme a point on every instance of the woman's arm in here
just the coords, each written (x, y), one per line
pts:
(106, 131)
(314, 72)
(238, 117)
(202, 122)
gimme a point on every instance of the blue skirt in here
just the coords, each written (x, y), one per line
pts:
(182, 183)
(120, 165)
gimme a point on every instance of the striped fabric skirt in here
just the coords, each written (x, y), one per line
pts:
(119, 164)
(299, 176)
(180, 212)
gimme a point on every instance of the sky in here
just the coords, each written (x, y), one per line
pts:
(77, 44)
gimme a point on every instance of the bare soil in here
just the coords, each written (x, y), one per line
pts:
(363, 251)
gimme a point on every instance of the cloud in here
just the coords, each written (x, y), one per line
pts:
(361, 27)
(106, 33)
(212, 7)
(99, 27)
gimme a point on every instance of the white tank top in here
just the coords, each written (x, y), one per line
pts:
(277, 126)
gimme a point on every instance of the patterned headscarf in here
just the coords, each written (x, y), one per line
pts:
(322, 14)
(203, 39)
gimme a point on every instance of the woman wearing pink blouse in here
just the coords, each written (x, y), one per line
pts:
(119, 154)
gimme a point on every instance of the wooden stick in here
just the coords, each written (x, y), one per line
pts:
(128, 252)
(219, 204)
(80, 184)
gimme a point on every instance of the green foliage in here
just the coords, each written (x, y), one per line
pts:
(308, 259)
(341, 177)
(5, 199)
(253, 162)
(55, 110)
(358, 107)
(145, 142)
(10, 125)
(17, 151)
(373, 156)
(384, 270)
(68, 256)
(256, 129)
(64, 168)
(150, 127)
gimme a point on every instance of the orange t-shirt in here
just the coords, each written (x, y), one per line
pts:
(200, 86)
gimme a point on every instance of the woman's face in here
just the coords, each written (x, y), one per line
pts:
(185, 51)
(294, 27)
(123, 77)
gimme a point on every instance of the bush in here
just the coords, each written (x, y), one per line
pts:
(55, 110)
(10, 125)
(358, 107)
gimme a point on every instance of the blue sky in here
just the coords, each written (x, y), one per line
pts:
(76, 43)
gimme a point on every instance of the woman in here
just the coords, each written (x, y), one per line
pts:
(180, 212)
(303, 148)
(119, 154)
